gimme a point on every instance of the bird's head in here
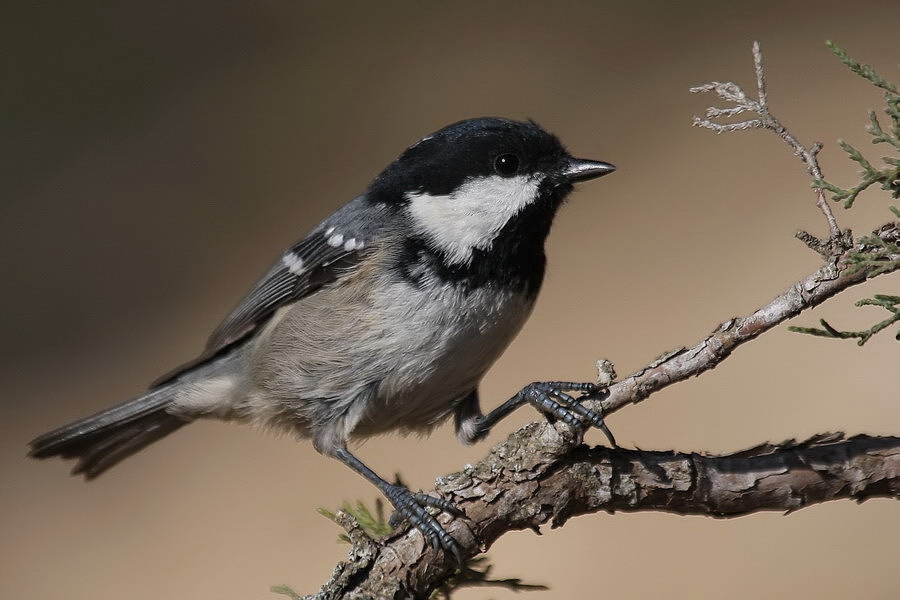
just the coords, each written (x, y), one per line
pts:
(467, 184)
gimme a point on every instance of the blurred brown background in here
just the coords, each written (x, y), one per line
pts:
(156, 158)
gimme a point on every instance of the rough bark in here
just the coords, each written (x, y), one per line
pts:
(536, 477)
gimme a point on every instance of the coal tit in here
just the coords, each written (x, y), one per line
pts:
(385, 317)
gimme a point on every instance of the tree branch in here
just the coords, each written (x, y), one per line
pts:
(832, 278)
(533, 478)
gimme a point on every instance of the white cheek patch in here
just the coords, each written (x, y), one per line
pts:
(471, 216)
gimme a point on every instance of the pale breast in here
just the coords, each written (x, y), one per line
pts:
(450, 338)
(377, 352)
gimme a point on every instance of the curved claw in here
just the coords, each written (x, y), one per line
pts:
(413, 507)
(439, 503)
(409, 506)
(551, 397)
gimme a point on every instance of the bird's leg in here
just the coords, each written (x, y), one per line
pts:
(549, 397)
(410, 506)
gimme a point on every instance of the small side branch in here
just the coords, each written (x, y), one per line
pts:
(888, 176)
(889, 303)
(763, 119)
(810, 291)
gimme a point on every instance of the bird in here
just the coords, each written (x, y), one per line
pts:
(385, 317)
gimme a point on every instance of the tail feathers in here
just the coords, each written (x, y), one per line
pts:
(102, 440)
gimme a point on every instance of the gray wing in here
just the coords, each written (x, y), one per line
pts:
(318, 259)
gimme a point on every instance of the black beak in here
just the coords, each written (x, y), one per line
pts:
(579, 169)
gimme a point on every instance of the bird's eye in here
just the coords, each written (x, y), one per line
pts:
(506, 165)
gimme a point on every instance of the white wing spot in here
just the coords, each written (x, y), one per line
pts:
(350, 244)
(293, 262)
(329, 231)
(336, 240)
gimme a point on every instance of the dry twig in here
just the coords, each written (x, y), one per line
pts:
(733, 93)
